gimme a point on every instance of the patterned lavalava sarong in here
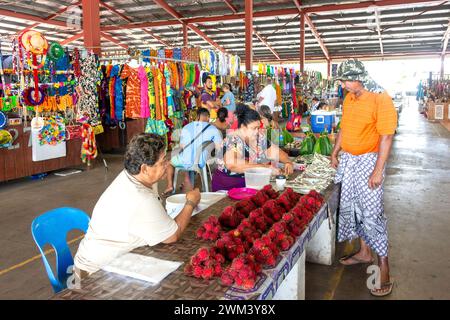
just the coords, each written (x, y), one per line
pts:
(361, 212)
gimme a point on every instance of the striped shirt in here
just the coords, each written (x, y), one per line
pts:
(364, 120)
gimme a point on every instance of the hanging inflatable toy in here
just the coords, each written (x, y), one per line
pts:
(5, 139)
(55, 51)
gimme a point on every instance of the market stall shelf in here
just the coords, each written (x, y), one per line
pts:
(106, 285)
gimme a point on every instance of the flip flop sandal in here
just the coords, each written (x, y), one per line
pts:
(357, 261)
(387, 285)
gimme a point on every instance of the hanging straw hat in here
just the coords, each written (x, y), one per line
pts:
(34, 42)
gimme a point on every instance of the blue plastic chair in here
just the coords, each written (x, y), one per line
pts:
(52, 228)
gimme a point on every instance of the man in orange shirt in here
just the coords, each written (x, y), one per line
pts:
(368, 124)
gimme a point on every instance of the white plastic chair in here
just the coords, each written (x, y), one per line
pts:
(205, 172)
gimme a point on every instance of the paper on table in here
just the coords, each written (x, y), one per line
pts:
(142, 267)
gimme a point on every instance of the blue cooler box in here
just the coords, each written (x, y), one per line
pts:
(321, 120)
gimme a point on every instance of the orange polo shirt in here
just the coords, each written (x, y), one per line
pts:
(364, 120)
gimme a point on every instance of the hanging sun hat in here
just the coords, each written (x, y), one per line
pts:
(55, 51)
(354, 70)
(34, 42)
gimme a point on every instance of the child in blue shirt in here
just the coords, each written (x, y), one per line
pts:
(228, 98)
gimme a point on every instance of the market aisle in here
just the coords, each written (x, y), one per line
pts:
(417, 205)
(21, 202)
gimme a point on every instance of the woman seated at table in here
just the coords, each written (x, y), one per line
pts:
(267, 122)
(129, 214)
(246, 148)
(221, 122)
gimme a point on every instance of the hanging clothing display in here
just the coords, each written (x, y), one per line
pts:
(88, 103)
(156, 126)
(133, 92)
(250, 92)
(89, 145)
(142, 75)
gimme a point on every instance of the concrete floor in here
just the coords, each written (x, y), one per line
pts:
(416, 203)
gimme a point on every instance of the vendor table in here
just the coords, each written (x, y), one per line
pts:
(16, 162)
(285, 281)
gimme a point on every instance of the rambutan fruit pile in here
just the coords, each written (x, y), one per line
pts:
(210, 229)
(243, 272)
(205, 264)
(251, 234)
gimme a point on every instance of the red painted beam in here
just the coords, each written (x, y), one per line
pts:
(274, 13)
(205, 37)
(54, 15)
(157, 38)
(364, 4)
(361, 56)
(71, 39)
(91, 25)
(111, 39)
(164, 5)
(29, 17)
(446, 39)
(313, 29)
(249, 35)
(185, 35)
(113, 10)
(328, 69)
(317, 36)
(123, 16)
(302, 42)
(258, 35)
(162, 23)
(377, 18)
(231, 6)
(444, 50)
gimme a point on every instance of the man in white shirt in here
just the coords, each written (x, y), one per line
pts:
(267, 97)
(129, 214)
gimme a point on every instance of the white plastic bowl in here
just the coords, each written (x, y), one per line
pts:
(257, 178)
(175, 203)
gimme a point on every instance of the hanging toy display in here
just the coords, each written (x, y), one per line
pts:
(89, 146)
(53, 132)
(76, 63)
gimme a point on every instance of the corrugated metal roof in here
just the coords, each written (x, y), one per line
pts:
(408, 28)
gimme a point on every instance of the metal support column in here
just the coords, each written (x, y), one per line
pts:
(249, 35)
(91, 25)
(185, 35)
(329, 68)
(302, 42)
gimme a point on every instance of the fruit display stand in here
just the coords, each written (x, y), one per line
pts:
(285, 281)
